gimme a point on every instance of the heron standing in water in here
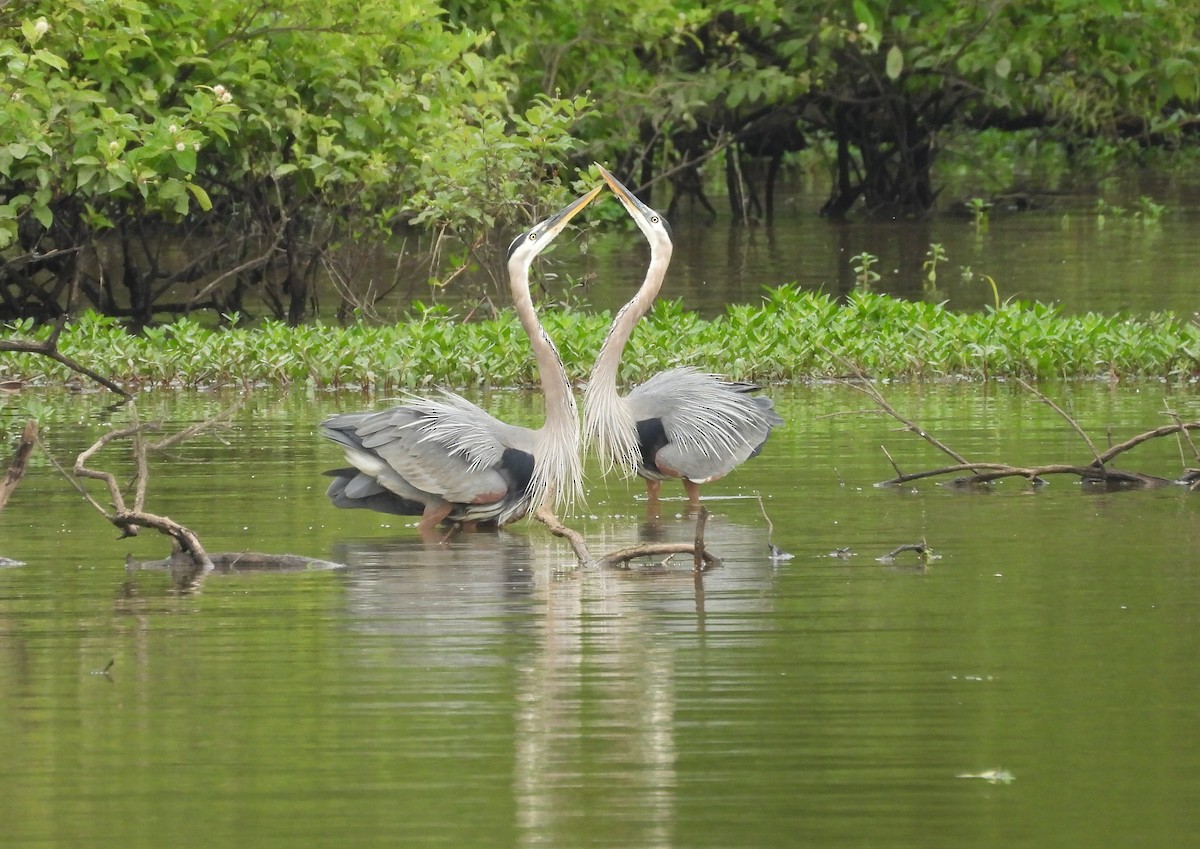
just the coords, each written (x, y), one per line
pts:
(681, 423)
(446, 459)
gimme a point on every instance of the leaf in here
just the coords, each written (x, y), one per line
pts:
(895, 62)
(474, 64)
(53, 60)
(1003, 67)
(43, 214)
(863, 12)
(201, 196)
(185, 159)
(1035, 64)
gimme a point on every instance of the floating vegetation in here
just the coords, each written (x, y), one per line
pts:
(792, 335)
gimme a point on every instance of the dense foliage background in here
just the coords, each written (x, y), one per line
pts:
(161, 158)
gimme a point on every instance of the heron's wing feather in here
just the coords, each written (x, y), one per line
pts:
(712, 425)
(444, 447)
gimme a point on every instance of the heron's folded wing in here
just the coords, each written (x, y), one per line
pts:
(446, 446)
(711, 425)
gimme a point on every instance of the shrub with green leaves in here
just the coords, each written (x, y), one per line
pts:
(301, 125)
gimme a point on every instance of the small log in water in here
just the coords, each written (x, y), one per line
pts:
(239, 562)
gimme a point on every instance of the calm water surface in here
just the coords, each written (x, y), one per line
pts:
(487, 693)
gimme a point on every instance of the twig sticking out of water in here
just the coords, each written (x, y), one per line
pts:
(777, 553)
(864, 385)
(1098, 461)
(130, 519)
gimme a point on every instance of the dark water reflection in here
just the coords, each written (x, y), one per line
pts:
(486, 692)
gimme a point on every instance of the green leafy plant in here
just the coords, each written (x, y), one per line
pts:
(865, 276)
(933, 257)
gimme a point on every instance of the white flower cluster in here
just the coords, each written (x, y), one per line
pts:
(223, 94)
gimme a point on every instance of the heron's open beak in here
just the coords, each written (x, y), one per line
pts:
(557, 222)
(628, 198)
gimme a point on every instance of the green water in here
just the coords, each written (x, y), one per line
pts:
(485, 693)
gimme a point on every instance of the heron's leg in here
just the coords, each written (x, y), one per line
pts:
(435, 513)
(652, 488)
(693, 492)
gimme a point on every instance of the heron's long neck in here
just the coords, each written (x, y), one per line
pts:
(608, 423)
(557, 468)
(609, 360)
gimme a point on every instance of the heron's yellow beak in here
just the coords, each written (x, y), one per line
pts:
(627, 198)
(556, 222)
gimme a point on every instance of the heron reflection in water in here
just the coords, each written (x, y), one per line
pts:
(681, 423)
(447, 460)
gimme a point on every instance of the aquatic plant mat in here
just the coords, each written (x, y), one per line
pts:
(792, 335)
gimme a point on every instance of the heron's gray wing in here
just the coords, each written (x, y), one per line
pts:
(711, 425)
(443, 447)
(352, 488)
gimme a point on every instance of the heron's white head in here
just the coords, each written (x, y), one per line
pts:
(525, 247)
(652, 224)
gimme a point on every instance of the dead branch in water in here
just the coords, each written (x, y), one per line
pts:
(922, 550)
(623, 556)
(547, 517)
(1097, 471)
(130, 519)
(187, 574)
(49, 348)
(702, 558)
(16, 467)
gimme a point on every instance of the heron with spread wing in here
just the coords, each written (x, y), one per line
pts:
(447, 460)
(681, 423)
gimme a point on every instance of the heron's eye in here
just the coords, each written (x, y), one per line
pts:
(533, 237)
(653, 219)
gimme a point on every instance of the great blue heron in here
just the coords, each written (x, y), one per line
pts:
(681, 423)
(446, 459)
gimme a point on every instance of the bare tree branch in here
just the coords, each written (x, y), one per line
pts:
(546, 516)
(49, 348)
(130, 520)
(622, 556)
(1070, 420)
(16, 467)
(866, 387)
